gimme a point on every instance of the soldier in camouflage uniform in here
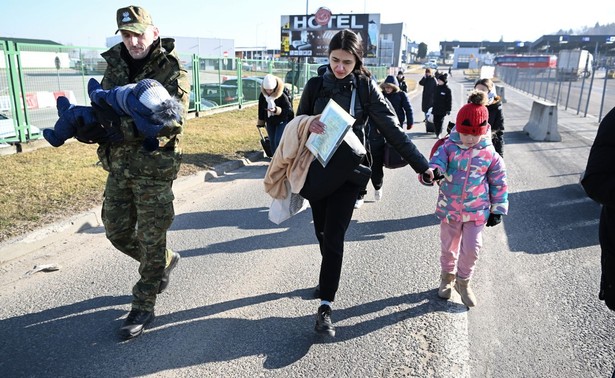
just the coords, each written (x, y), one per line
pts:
(138, 201)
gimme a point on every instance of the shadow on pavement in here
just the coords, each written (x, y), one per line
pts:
(296, 231)
(551, 220)
(80, 340)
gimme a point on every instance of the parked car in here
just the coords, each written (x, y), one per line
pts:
(432, 63)
(213, 95)
(221, 94)
(204, 102)
(251, 87)
(7, 129)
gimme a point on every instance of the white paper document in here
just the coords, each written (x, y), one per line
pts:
(338, 122)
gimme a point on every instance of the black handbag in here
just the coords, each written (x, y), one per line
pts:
(322, 181)
(392, 159)
(360, 176)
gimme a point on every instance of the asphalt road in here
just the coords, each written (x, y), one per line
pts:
(239, 303)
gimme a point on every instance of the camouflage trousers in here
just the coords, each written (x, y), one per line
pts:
(137, 214)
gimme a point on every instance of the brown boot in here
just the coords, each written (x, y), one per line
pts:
(446, 285)
(465, 291)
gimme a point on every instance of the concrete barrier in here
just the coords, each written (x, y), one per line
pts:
(500, 91)
(542, 125)
(70, 95)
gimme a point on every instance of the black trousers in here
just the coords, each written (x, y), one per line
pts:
(497, 139)
(376, 149)
(332, 216)
(438, 119)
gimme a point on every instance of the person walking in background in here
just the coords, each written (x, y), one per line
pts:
(401, 79)
(450, 71)
(403, 110)
(349, 84)
(138, 209)
(399, 99)
(429, 83)
(472, 194)
(599, 184)
(442, 103)
(496, 115)
(274, 108)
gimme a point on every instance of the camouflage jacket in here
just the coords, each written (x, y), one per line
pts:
(128, 158)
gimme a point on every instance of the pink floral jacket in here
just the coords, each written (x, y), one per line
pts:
(474, 183)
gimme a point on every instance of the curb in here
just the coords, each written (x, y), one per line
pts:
(41, 238)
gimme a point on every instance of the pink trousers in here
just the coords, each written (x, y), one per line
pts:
(461, 242)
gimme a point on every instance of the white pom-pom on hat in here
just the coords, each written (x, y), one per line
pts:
(151, 93)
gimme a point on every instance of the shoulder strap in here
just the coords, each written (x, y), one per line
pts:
(318, 91)
(363, 92)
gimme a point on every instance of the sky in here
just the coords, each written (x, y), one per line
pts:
(257, 23)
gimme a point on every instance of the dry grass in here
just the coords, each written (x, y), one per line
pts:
(48, 184)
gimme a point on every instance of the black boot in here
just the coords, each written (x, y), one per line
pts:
(135, 323)
(167, 272)
(324, 324)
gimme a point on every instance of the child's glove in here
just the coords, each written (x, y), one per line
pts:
(437, 176)
(494, 220)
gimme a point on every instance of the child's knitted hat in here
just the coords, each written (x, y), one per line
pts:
(390, 81)
(151, 93)
(165, 108)
(443, 77)
(473, 117)
(270, 82)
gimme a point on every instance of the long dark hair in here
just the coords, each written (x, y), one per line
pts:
(348, 40)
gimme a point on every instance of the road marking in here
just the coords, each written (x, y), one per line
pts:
(569, 202)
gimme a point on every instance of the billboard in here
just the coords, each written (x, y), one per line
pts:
(309, 35)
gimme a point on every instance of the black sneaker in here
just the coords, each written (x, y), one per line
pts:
(164, 282)
(323, 321)
(135, 323)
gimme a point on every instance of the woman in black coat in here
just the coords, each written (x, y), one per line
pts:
(403, 109)
(274, 108)
(496, 114)
(599, 184)
(346, 81)
(429, 83)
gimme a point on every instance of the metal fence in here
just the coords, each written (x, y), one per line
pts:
(592, 95)
(33, 76)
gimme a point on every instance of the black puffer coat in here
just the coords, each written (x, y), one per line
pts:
(496, 117)
(319, 90)
(442, 100)
(599, 184)
(429, 84)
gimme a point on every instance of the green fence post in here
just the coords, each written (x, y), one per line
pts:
(15, 89)
(196, 82)
(239, 64)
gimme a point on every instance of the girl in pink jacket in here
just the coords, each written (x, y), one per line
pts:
(472, 194)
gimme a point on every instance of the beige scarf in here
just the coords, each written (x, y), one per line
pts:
(291, 160)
